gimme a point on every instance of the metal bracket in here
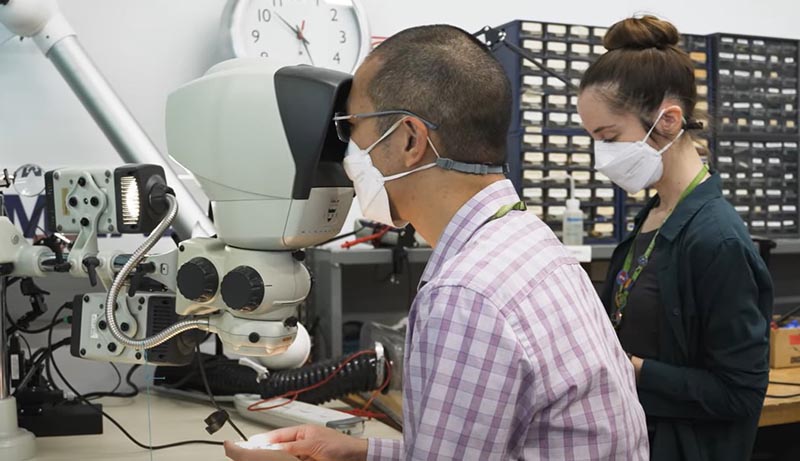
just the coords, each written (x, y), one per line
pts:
(92, 201)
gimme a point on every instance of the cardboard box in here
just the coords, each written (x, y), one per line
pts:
(784, 348)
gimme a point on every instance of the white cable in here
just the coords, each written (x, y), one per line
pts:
(119, 280)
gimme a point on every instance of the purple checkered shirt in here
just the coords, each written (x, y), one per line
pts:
(509, 352)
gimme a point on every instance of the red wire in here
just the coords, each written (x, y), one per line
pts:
(296, 393)
(383, 386)
(366, 414)
(362, 412)
(368, 238)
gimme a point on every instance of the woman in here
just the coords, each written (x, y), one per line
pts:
(686, 290)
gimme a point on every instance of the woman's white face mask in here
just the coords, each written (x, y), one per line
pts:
(633, 166)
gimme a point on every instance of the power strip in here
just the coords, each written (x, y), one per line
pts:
(296, 413)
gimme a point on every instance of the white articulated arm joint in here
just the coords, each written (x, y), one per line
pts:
(37, 19)
(15, 249)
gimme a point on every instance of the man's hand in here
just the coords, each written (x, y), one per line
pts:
(307, 442)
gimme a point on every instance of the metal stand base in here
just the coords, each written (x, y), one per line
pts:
(15, 444)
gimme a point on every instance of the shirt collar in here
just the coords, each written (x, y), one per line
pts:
(469, 218)
(703, 193)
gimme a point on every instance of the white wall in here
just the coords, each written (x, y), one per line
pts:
(147, 48)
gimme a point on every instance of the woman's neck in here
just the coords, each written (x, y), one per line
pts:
(681, 165)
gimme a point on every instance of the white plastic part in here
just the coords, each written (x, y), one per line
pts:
(15, 444)
(14, 248)
(251, 337)
(296, 412)
(40, 19)
(27, 17)
(225, 128)
(294, 357)
(53, 32)
(262, 372)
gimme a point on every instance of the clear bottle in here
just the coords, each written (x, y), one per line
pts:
(573, 219)
(573, 223)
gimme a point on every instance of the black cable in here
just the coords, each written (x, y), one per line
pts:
(790, 396)
(496, 36)
(36, 360)
(48, 359)
(35, 330)
(129, 375)
(783, 318)
(781, 383)
(119, 377)
(123, 395)
(211, 394)
(27, 345)
(114, 421)
(113, 392)
(212, 361)
(784, 384)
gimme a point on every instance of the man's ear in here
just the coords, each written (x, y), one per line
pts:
(415, 141)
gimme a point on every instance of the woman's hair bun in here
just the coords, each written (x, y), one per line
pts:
(641, 33)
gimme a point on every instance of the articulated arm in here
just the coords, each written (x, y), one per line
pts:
(42, 21)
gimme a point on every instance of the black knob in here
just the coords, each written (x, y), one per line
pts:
(91, 263)
(243, 289)
(112, 347)
(254, 337)
(291, 322)
(198, 280)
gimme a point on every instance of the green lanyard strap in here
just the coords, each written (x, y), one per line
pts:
(625, 279)
(506, 209)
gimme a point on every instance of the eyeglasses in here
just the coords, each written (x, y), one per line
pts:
(343, 127)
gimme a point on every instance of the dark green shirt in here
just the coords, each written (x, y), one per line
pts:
(705, 391)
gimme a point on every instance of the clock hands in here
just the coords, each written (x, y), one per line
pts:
(305, 42)
(296, 30)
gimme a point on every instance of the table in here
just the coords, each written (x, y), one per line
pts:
(172, 421)
(175, 420)
(781, 411)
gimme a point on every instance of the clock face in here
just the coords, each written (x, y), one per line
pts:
(331, 34)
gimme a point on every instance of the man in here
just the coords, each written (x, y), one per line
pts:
(509, 352)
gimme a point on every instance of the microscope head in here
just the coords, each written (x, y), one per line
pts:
(263, 146)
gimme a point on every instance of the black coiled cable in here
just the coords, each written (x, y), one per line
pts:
(359, 374)
(227, 377)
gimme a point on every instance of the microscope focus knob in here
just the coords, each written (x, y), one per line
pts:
(243, 289)
(198, 280)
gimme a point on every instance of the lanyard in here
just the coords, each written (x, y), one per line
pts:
(506, 209)
(625, 279)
